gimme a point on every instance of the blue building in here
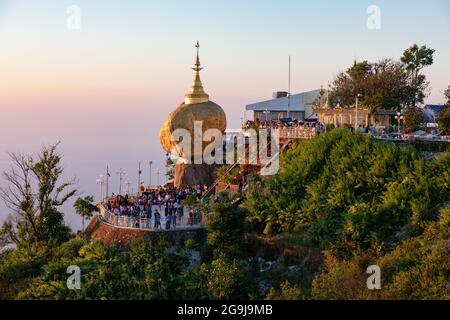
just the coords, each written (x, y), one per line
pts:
(300, 106)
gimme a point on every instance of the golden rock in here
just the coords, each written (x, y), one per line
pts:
(183, 117)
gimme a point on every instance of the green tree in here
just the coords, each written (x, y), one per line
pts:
(386, 84)
(226, 228)
(413, 118)
(381, 84)
(447, 96)
(227, 279)
(85, 208)
(35, 195)
(170, 167)
(416, 58)
(444, 119)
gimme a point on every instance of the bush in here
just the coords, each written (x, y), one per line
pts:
(190, 244)
(286, 292)
(227, 279)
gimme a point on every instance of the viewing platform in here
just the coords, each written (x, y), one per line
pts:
(122, 231)
(141, 223)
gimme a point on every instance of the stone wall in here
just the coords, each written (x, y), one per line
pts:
(123, 237)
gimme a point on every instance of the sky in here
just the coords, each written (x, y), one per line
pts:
(104, 89)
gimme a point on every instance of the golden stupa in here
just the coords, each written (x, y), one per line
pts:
(196, 107)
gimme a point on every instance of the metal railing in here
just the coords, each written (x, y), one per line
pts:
(143, 223)
(297, 132)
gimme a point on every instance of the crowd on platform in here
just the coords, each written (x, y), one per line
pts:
(280, 124)
(276, 124)
(161, 205)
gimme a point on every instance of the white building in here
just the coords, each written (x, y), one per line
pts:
(300, 106)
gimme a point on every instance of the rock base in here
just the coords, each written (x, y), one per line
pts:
(187, 175)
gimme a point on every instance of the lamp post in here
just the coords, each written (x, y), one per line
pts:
(101, 181)
(158, 173)
(128, 184)
(399, 118)
(357, 103)
(150, 173)
(121, 173)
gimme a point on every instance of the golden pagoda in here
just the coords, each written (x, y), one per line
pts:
(196, 107)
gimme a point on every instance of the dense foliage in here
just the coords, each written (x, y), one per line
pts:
(418, 268)
(382, 84)
(347, 191)
(387, 83)
(364, 203)
(143, 271)
(340, 203)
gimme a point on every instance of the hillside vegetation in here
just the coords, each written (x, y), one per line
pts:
(354, 201)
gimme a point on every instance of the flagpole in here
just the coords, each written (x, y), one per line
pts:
(107, 180)
(289, 91)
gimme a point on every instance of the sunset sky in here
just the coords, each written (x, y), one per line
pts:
(104, 90)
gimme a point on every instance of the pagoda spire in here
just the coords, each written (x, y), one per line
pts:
(197, 61)
(327, 104)
(196, 94)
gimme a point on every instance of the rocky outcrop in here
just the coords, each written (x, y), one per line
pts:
(194, 174)
(273, 248)
(124, 237)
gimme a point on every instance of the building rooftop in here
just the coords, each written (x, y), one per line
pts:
(298, 102)
(436, 108)
(433, 111)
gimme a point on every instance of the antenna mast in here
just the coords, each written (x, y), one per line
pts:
(289, 90)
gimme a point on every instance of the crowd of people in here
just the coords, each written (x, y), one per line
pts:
(158, 207)
(370, 129)
(277, 124)
(280, 124)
